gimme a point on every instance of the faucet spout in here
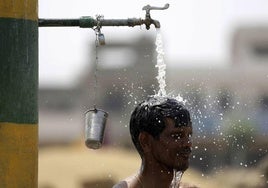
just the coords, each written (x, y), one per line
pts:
(156, 23)
(148, 21)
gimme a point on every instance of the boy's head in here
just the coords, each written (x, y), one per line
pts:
(150, 116)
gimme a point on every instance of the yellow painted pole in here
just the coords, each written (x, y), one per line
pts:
(18, 93)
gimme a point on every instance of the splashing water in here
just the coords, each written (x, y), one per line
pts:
(161, 77)
(176, 179)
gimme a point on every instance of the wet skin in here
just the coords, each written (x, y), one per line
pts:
(173, 148)
(161, 156)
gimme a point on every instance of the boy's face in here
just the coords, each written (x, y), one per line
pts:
(173, 148)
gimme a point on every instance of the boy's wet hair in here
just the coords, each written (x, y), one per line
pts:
(149, 116)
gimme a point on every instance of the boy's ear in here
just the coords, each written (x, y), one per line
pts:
(145, 141)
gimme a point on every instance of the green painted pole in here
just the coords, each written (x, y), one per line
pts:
(18, 93)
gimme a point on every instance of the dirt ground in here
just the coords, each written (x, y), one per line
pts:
(78, 167)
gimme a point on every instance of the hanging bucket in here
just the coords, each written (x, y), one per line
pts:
(94, 127)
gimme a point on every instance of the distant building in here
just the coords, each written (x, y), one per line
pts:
(60, 115)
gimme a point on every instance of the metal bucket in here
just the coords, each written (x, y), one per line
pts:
(94, 127)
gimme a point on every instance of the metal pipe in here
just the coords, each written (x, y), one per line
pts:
(89, 22)
(131, 22)
(58, 22)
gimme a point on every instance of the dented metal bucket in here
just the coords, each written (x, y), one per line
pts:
(95, 122)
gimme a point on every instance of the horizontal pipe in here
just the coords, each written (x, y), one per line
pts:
(131, 22)
(88, 22)
(58, 22)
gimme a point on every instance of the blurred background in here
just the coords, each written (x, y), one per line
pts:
(216, 52)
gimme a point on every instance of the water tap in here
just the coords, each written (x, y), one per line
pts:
(148, 20)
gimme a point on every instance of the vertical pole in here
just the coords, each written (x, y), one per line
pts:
(18, 93)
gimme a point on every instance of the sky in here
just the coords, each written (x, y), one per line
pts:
(196, 33)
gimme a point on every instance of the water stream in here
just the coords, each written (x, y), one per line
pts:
(176, 179)
(161, 65)
(161, 77)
